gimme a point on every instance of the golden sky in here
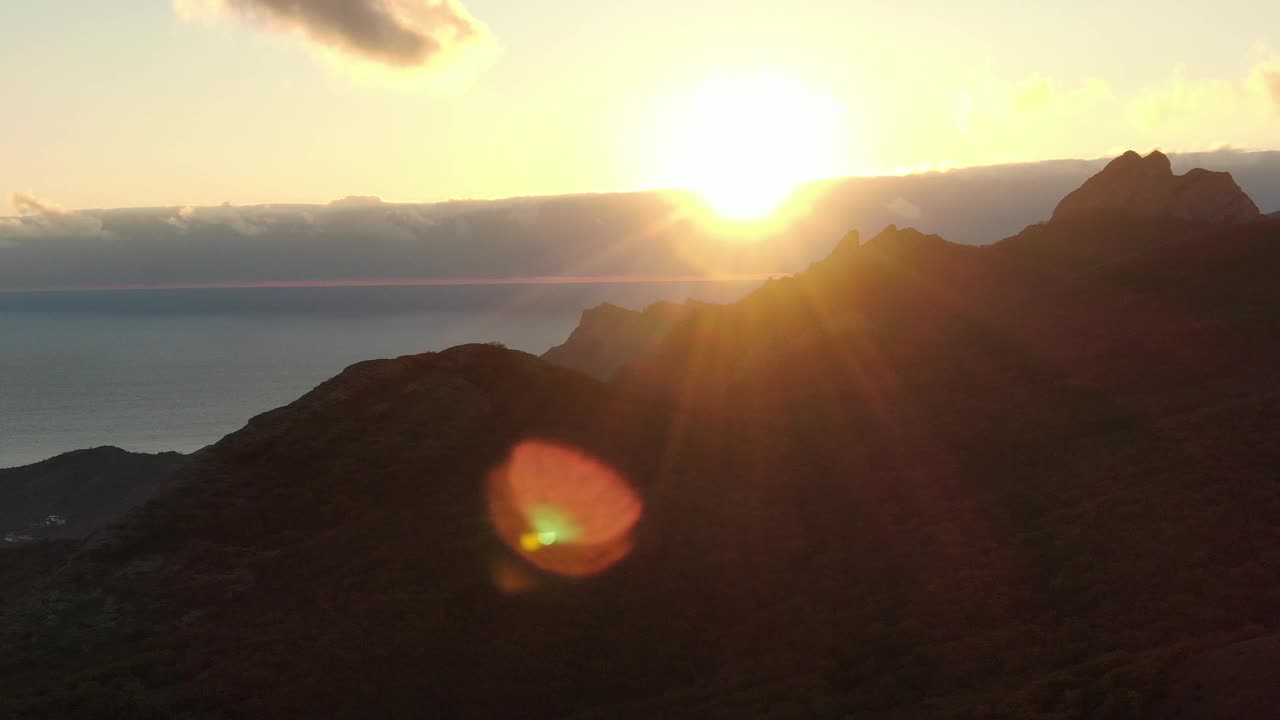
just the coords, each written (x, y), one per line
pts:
(211, 101)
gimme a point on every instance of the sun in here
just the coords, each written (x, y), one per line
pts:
(749, 142)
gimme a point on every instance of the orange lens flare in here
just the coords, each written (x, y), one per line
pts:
(562, 510)
(513, 578)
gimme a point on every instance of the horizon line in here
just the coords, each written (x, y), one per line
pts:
(400, 282)
(923, 168)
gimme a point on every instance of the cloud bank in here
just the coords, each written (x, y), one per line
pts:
(1271, 79)
(905, 208)
(401, 34)
(1185, 103)
(37, 218)
(990, 101)
(364, 239)
(226, 214)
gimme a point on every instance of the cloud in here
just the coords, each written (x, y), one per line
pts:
(1271, 79)
(905, 209)
(37, 218)
(1184, 103)
(357, 201)
(224, 214)
(989, 100)
(401, 34)
(617, 234)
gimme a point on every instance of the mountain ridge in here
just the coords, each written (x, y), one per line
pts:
(1148, 186)
(1082, 236)
(916, 479)
(608, 336)
(644, 233)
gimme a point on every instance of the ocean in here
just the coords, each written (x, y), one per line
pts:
(155, 370)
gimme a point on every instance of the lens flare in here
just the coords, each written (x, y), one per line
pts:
(562, 510)
(513, 578)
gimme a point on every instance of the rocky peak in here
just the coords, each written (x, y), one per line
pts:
(891, 239)
(608, 337)
(890, 233)
(1147, 186)
(847, 245)
(1131, 163)
(607, 315)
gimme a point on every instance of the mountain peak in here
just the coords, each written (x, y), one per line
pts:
(851, 241)
(1155, 163)
(608, 336)
(893, 238)
(1158, 163)
(1147, 186)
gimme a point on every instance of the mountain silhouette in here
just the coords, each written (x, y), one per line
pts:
(1148, 186)
(609, 336)
(918, 479)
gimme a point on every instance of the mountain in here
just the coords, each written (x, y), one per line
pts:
(608, 337)
(77, 493)
(1148, 186)
(917, 479)
(1130, 207)
(47, 508)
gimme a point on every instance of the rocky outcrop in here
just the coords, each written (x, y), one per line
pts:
(609, 337)
(1147, 186)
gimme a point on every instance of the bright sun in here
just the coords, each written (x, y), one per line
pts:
(749, 143)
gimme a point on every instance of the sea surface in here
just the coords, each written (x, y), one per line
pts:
(155, 370)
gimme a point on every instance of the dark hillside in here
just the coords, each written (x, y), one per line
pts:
(76, 493)
(916, 480)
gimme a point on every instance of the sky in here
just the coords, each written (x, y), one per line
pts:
(144, 103)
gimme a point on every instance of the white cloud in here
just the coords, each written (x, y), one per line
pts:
(905, 209)
(1184, 103)
(37, 218)
(357, 201)
(989, 100)
(224, 214)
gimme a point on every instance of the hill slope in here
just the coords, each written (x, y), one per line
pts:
(916, 480)
(76, 493)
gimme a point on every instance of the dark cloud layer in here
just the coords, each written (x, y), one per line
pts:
(39, 219)
(363, 238)
(397, 33)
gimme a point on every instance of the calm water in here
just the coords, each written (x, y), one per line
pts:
(177, 370)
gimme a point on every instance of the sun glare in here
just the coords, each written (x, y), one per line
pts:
(749, 143)
(562, 510)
